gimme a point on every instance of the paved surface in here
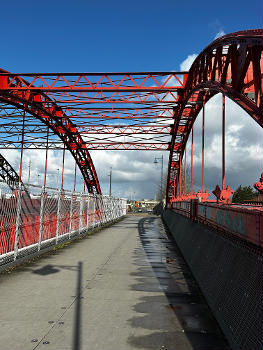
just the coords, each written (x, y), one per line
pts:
(126, 287)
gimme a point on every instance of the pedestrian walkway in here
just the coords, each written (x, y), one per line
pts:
(125, 287)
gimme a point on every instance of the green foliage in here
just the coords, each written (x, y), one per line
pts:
(243, 194)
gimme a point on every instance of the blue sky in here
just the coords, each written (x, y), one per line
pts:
(115, 35)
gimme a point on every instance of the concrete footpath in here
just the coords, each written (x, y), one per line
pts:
(125, 287)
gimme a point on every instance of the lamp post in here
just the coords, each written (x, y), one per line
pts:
(58, 177)
(156, 162)
(110, 175)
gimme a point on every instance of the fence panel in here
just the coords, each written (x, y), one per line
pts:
(34, 219)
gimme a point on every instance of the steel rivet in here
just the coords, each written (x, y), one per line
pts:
(34, 340)
(46, 342)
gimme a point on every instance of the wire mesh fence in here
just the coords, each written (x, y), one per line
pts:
(40, 217)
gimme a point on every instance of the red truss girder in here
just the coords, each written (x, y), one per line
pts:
(232, 65)
(72, 88)
(93, 82)
(125, 129)
(114, 146)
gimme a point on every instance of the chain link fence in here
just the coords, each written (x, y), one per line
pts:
(44, 217)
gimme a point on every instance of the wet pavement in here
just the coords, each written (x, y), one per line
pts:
(125, 287)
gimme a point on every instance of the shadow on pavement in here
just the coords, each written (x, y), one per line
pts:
(172, 287)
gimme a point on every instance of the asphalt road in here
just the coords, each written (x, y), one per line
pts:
(125, 287)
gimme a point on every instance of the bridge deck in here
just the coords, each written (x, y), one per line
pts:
(126, 287)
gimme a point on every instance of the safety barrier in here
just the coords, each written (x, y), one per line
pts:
(243, 221)
(45, 217)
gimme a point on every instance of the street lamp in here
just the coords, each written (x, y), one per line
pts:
(58, 177)
(110, 175)
(156, 162)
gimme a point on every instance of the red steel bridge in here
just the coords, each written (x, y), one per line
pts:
(142, 111)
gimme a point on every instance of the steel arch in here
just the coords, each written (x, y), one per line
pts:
(10, 176)
(43, 108)
(232, 65)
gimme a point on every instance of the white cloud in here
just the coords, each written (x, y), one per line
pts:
(186, 64)
(219, 34)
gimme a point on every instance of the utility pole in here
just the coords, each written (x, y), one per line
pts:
(29, 169)
(161, 184)
(110, 175)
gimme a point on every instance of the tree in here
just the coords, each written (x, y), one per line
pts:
(243, 194)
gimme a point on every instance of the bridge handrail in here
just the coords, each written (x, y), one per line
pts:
(29, 225)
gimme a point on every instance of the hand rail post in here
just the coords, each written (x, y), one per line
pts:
(18, 219)
(42, 206)
(58, 215)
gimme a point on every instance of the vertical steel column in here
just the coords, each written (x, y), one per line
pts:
(94, 210)
(58, 215)
(75, 177)
(112, 209)
(18, 218)
(63, 165)
(45, 175)
(185, 171)
(203, 148)
(104, 209)
(80, 213)
(192, 160)
(22, 146)
(180, 177)
(70, 214)
(19, 195)
(87, 211)
(223, 141)
(42, 206)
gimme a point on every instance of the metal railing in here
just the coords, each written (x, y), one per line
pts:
(45, 217)
(243, 221)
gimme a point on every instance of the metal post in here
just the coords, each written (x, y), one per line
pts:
(94, 210)
(203, 148)
(22, 147)
(70, 214)
(223, 142)
(18, 218)
(110, 175)
(162, 179)
(80, 213)
(110, 209)
(42, 206)
(87, 212)
(58, 215)
(185, 171)
(75, 177)
(192, 160)
(104, 206)
(63, 165)
(45, 176)
(29, 171)
(180, 177)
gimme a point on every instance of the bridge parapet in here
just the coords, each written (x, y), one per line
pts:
(241, 221)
